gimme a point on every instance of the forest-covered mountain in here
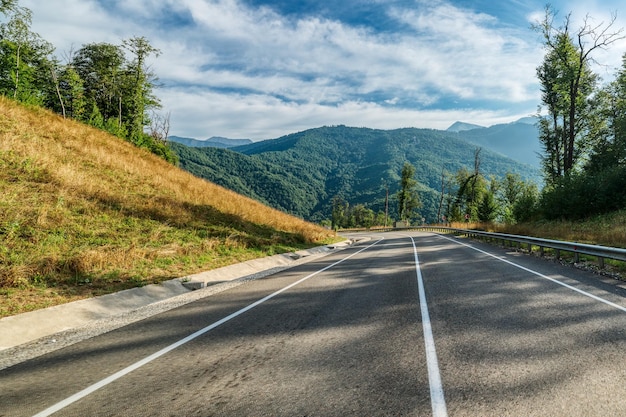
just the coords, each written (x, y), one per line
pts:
(301, 173)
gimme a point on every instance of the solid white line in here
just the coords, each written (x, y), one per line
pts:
(437, 399)
(586, 294)
(89, 390)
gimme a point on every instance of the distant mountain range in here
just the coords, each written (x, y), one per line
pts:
(302, 172)
(462, 126)
(518, 140)
(214, 142)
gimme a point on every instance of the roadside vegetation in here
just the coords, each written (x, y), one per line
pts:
(604, 229)
(84, 213)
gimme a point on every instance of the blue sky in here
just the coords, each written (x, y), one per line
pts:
(261, 69)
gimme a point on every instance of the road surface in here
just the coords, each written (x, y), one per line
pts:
(404, 324)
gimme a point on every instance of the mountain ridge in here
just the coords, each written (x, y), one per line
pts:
(518, 140)
(300, 173)
(462, 126)
(214, 141)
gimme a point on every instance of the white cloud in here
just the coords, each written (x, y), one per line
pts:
(263, 117)
(467, 54)
(598, 14)
(239, 71)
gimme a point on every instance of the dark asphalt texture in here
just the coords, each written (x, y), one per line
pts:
(349, 341)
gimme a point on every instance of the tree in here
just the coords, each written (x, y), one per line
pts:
(340, 207)
(72, 92)
(525, 207)
(363, 216)
(472, 185)
(446, 183)
(159, 128)
(609, 145)
(7, 5)
(487, 209)
(24, 57)
(100, 67)
(567, 85)
(408, 199)
(143, 82)
(510, 190)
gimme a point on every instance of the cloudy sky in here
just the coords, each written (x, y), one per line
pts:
(261, 69)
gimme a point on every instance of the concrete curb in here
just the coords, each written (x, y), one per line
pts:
(228, 273)
(28, 327)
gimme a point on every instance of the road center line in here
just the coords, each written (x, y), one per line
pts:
(556, 281)
(437, 399)
(89, 390)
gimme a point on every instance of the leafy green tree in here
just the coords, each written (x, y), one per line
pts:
(525, 207)
(510, 190)
(363, 216)
(382, 219)
(24, 57)
(142, 85)
(568, 85)
(100, 67)
(72, 92)
(471, 187)
(488, 207)
(609, 145)
(408, 198)
(340, 207)
(7, 5)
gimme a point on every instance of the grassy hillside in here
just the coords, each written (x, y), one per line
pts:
(301, 173)
(84, 213)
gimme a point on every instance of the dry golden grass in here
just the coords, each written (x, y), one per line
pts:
(607, 230)
(83, 213)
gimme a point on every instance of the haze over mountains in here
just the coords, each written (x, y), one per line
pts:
(214, 141)
(518, 140)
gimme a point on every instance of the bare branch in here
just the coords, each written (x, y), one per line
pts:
(159, 128)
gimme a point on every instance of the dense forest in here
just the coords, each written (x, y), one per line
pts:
(107, 86)
(352, 176)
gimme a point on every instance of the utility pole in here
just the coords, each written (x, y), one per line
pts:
(386, 200)
(386, 204)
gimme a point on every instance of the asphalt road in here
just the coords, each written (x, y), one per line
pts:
(491, 333)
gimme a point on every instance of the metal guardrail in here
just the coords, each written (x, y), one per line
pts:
(600, 252)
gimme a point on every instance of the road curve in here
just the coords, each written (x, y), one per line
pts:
(348, 334)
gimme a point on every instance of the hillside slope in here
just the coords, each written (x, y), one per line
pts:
(302, 172)
(83, 213)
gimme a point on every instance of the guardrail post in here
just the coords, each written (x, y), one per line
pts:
(541, 251)
(601, 262)
(557, 253)
(576, 257)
